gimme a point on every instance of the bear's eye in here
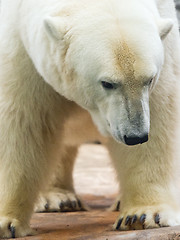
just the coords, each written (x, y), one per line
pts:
(108, 85)
(150, 82)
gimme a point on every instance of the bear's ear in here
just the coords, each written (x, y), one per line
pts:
(55, 27)
(165, 26)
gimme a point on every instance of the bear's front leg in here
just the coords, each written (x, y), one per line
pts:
(147, 174)
(27, 144)
(21, 163)
(30, 127)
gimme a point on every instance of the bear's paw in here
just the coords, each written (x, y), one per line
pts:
(59, 201)
(13, 228)
(147, 217)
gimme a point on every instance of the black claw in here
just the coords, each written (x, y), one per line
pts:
(79, 204)
(118, 206)
(134, 219)
(127, 221)
(61, 205)
(157, 218)
(13, 231)
(119, 223)
(46, 206)
(142, 218)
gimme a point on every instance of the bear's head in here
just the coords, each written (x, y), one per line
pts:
(109, 59)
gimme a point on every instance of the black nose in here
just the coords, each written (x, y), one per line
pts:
(133, 140)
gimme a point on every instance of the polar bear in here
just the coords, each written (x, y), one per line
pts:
(77, 70)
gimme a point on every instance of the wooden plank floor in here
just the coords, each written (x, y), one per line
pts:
(95, 224)
(94, 177)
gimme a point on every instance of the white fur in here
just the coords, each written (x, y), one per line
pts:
(53, 56)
